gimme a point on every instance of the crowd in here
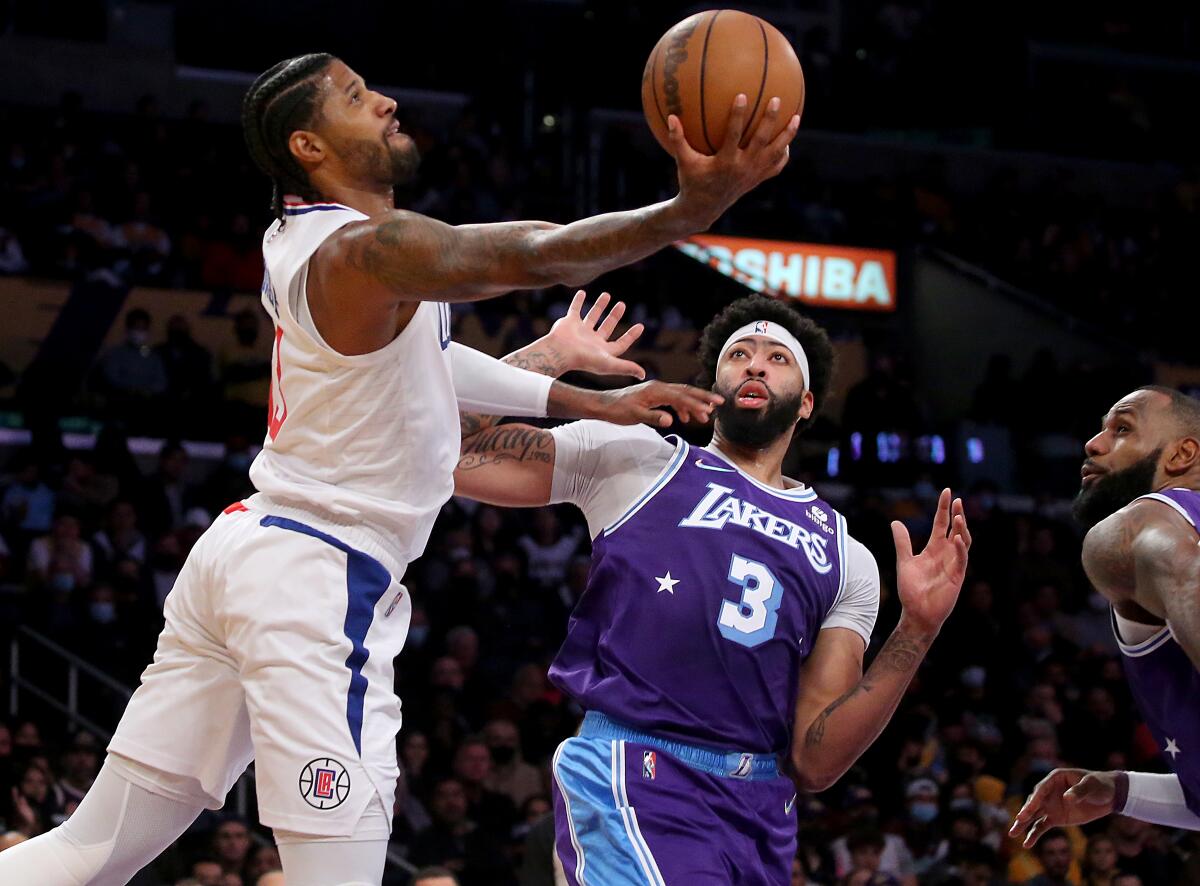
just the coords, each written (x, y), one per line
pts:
(1024, 677)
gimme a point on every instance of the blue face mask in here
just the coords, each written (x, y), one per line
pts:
(103, 613)
(923, 812)
(63, 582)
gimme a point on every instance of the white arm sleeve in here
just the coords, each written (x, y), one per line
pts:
(603, 468)
(858, 605)
(485, 384)
(1158, 799)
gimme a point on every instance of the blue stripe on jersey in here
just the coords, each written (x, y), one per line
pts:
(305, 209)
(367, 580)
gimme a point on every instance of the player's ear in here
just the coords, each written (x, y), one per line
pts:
(1185, 455)
(307, 147)
(807, 405)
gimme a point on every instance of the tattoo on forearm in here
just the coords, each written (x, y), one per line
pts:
(900, 655)
(505, 443)
(543, 359)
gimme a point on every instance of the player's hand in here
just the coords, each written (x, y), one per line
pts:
(708, 185)
(1064, 797)
(585, 343)
(645, 404)
(928, 584)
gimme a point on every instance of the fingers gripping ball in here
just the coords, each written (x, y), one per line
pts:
(700, 65)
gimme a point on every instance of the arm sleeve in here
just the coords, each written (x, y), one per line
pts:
(485, 384)
(858, 605)
(1159, 799)
(602, 468)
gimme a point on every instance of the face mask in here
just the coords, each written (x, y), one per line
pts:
(104, 613)
(962, 803)
(503, 755)
(923, 812)
(137, 337)
(62, 581)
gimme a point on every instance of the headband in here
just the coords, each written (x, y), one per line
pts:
(774, 332)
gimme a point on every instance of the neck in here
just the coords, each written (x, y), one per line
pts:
(763, 464)
(369, 199)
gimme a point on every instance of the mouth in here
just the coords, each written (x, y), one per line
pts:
(393, 129)
(1089, 473)
(752, 395)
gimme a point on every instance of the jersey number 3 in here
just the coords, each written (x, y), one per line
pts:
(752, 619)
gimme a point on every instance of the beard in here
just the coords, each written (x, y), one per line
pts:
(387, 163)
(756, 428)
(1110, 492)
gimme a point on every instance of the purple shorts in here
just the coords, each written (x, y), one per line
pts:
(633, 808)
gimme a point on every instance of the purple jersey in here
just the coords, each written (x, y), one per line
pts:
(704, 600)
(1166, 684)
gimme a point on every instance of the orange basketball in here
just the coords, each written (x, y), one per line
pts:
(700, 65)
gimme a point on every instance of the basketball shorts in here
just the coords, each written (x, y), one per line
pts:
(632, 808)
(278, 648)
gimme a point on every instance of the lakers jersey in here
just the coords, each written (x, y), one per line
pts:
(367, 443)
(1165, 683)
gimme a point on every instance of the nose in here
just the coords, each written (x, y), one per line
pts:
(387, 106)
(756, 367)
(1096, 446)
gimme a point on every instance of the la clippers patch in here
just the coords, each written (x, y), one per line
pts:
(324, 783)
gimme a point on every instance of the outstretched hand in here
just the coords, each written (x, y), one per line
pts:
(585, 342)
(928, 584)
(643, 404)
(709, 184)
(1064, 797)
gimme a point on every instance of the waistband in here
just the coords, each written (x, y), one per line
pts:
(728, 764)
(357, 535)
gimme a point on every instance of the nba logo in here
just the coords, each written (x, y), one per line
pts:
(649, 760)
(760, 327)
(323, 789)
(743, 766)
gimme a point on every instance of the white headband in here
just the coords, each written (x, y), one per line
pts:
(776, 333)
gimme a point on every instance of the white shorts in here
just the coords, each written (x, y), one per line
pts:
(278, 647)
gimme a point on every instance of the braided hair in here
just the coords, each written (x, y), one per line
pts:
(282, 100)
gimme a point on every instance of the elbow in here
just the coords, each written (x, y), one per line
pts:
(810, 777)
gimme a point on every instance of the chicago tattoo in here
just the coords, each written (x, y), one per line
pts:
(505, 443)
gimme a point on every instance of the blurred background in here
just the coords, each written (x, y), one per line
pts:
(993, 208)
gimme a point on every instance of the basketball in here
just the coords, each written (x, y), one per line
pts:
(700, 65)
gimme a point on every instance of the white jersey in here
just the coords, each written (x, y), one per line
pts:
(365, 443)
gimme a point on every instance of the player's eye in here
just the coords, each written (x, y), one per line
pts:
(737, 352)
(781, 357)
(354, 96)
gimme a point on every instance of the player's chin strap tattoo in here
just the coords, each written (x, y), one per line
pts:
(850, 724)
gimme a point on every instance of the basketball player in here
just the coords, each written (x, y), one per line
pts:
(1140, 499)
(719, 644)
(283, 625)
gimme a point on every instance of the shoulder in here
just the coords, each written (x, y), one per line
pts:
(634, 440)
(1144, 533)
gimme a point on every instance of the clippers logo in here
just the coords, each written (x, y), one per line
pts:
(649, 764)
(760, 327)
(743, 766)
(324, 783)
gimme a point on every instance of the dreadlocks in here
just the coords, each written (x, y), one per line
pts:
(280, 101)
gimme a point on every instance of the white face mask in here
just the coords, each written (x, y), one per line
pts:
(137, 337)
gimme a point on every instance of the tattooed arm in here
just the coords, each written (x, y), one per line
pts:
(1145, 560)
(511, 465)
(839, 713)
(403, 256)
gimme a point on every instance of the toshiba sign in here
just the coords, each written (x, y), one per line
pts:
(822, 276)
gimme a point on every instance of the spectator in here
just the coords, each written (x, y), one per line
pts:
(245, 372)
(131, 376)
(510, 774)
(866, 850)
(271, 878)
(120, 539)
(1058, 867)
(263, 860)
(1100, 861)
(207, 872)
(61, 560)
(28, 504)
(189, 374)
(548, 548)
(80, 766)
(457, 843)
(167, 496)
(492, 811)
(231, 845)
